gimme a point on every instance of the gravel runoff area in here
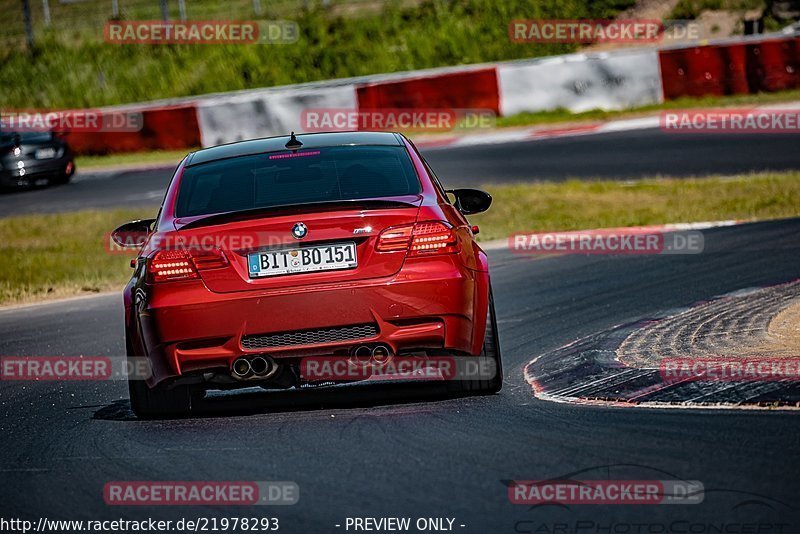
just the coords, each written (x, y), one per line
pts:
(735, 351)
(752, 324)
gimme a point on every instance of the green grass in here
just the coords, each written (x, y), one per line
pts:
(133, 158)
(575, 205)
(83, 18)
(57, 255)
(78, 69)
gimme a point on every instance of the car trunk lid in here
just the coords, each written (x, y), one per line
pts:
(240, 235)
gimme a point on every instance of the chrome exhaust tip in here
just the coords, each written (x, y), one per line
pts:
(362, 353)
(260, 366)
(241, 368)
(381, 353)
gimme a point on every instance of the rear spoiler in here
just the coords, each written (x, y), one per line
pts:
(255, 213)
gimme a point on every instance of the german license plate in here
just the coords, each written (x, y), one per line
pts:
(329, 257)
(45, 153)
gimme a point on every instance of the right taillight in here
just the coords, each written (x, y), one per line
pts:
(183, 264)
(420, 239)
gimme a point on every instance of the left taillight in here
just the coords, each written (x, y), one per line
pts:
(184, 264)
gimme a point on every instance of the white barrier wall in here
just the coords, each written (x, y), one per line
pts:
(577, 82)
(581, 82)
(226, 119)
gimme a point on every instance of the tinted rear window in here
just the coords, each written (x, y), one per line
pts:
(286, 178)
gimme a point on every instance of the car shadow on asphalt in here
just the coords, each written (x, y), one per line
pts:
(306, 399)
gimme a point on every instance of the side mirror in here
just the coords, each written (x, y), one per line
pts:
(132, 234)
(471, 201)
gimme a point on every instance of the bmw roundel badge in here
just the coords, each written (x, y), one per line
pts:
(299, 230)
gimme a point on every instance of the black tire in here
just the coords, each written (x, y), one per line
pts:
(64, 177)
(61, 179)
(160, 401)
(491, 350)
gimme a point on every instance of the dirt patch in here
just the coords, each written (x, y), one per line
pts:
(720, 24)
(716, 24)
(649, 9)
(755, 324)
(784, 331)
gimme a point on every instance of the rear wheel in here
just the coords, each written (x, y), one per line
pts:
(160, 401)
(491, 351)
(65, 176)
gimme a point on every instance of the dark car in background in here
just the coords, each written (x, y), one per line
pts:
(33, 158)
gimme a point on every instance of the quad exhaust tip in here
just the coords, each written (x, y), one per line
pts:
(257, 367)
(379, 353)
(260, 366)
(362, 353)
(242, 368)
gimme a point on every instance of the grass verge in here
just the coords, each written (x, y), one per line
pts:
(58, 255)
(575, 205)
(77, 68)
(132, 158)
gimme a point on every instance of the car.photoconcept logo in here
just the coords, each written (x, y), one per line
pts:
(299, 230)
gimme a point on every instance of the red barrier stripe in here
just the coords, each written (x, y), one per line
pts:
(776, 64)
(692, 72)
(474, 89)
(736, 68)
(169, 128)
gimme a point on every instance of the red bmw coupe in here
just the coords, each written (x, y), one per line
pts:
(271, 251)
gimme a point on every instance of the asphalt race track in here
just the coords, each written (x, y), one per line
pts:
(621, 155)
(423, 457)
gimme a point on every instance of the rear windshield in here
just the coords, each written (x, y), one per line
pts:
(289, 178)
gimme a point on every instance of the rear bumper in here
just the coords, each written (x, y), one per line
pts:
(431, 304)
(33, 170)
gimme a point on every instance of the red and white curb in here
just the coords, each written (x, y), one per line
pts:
(516, 135)
(497, 244)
